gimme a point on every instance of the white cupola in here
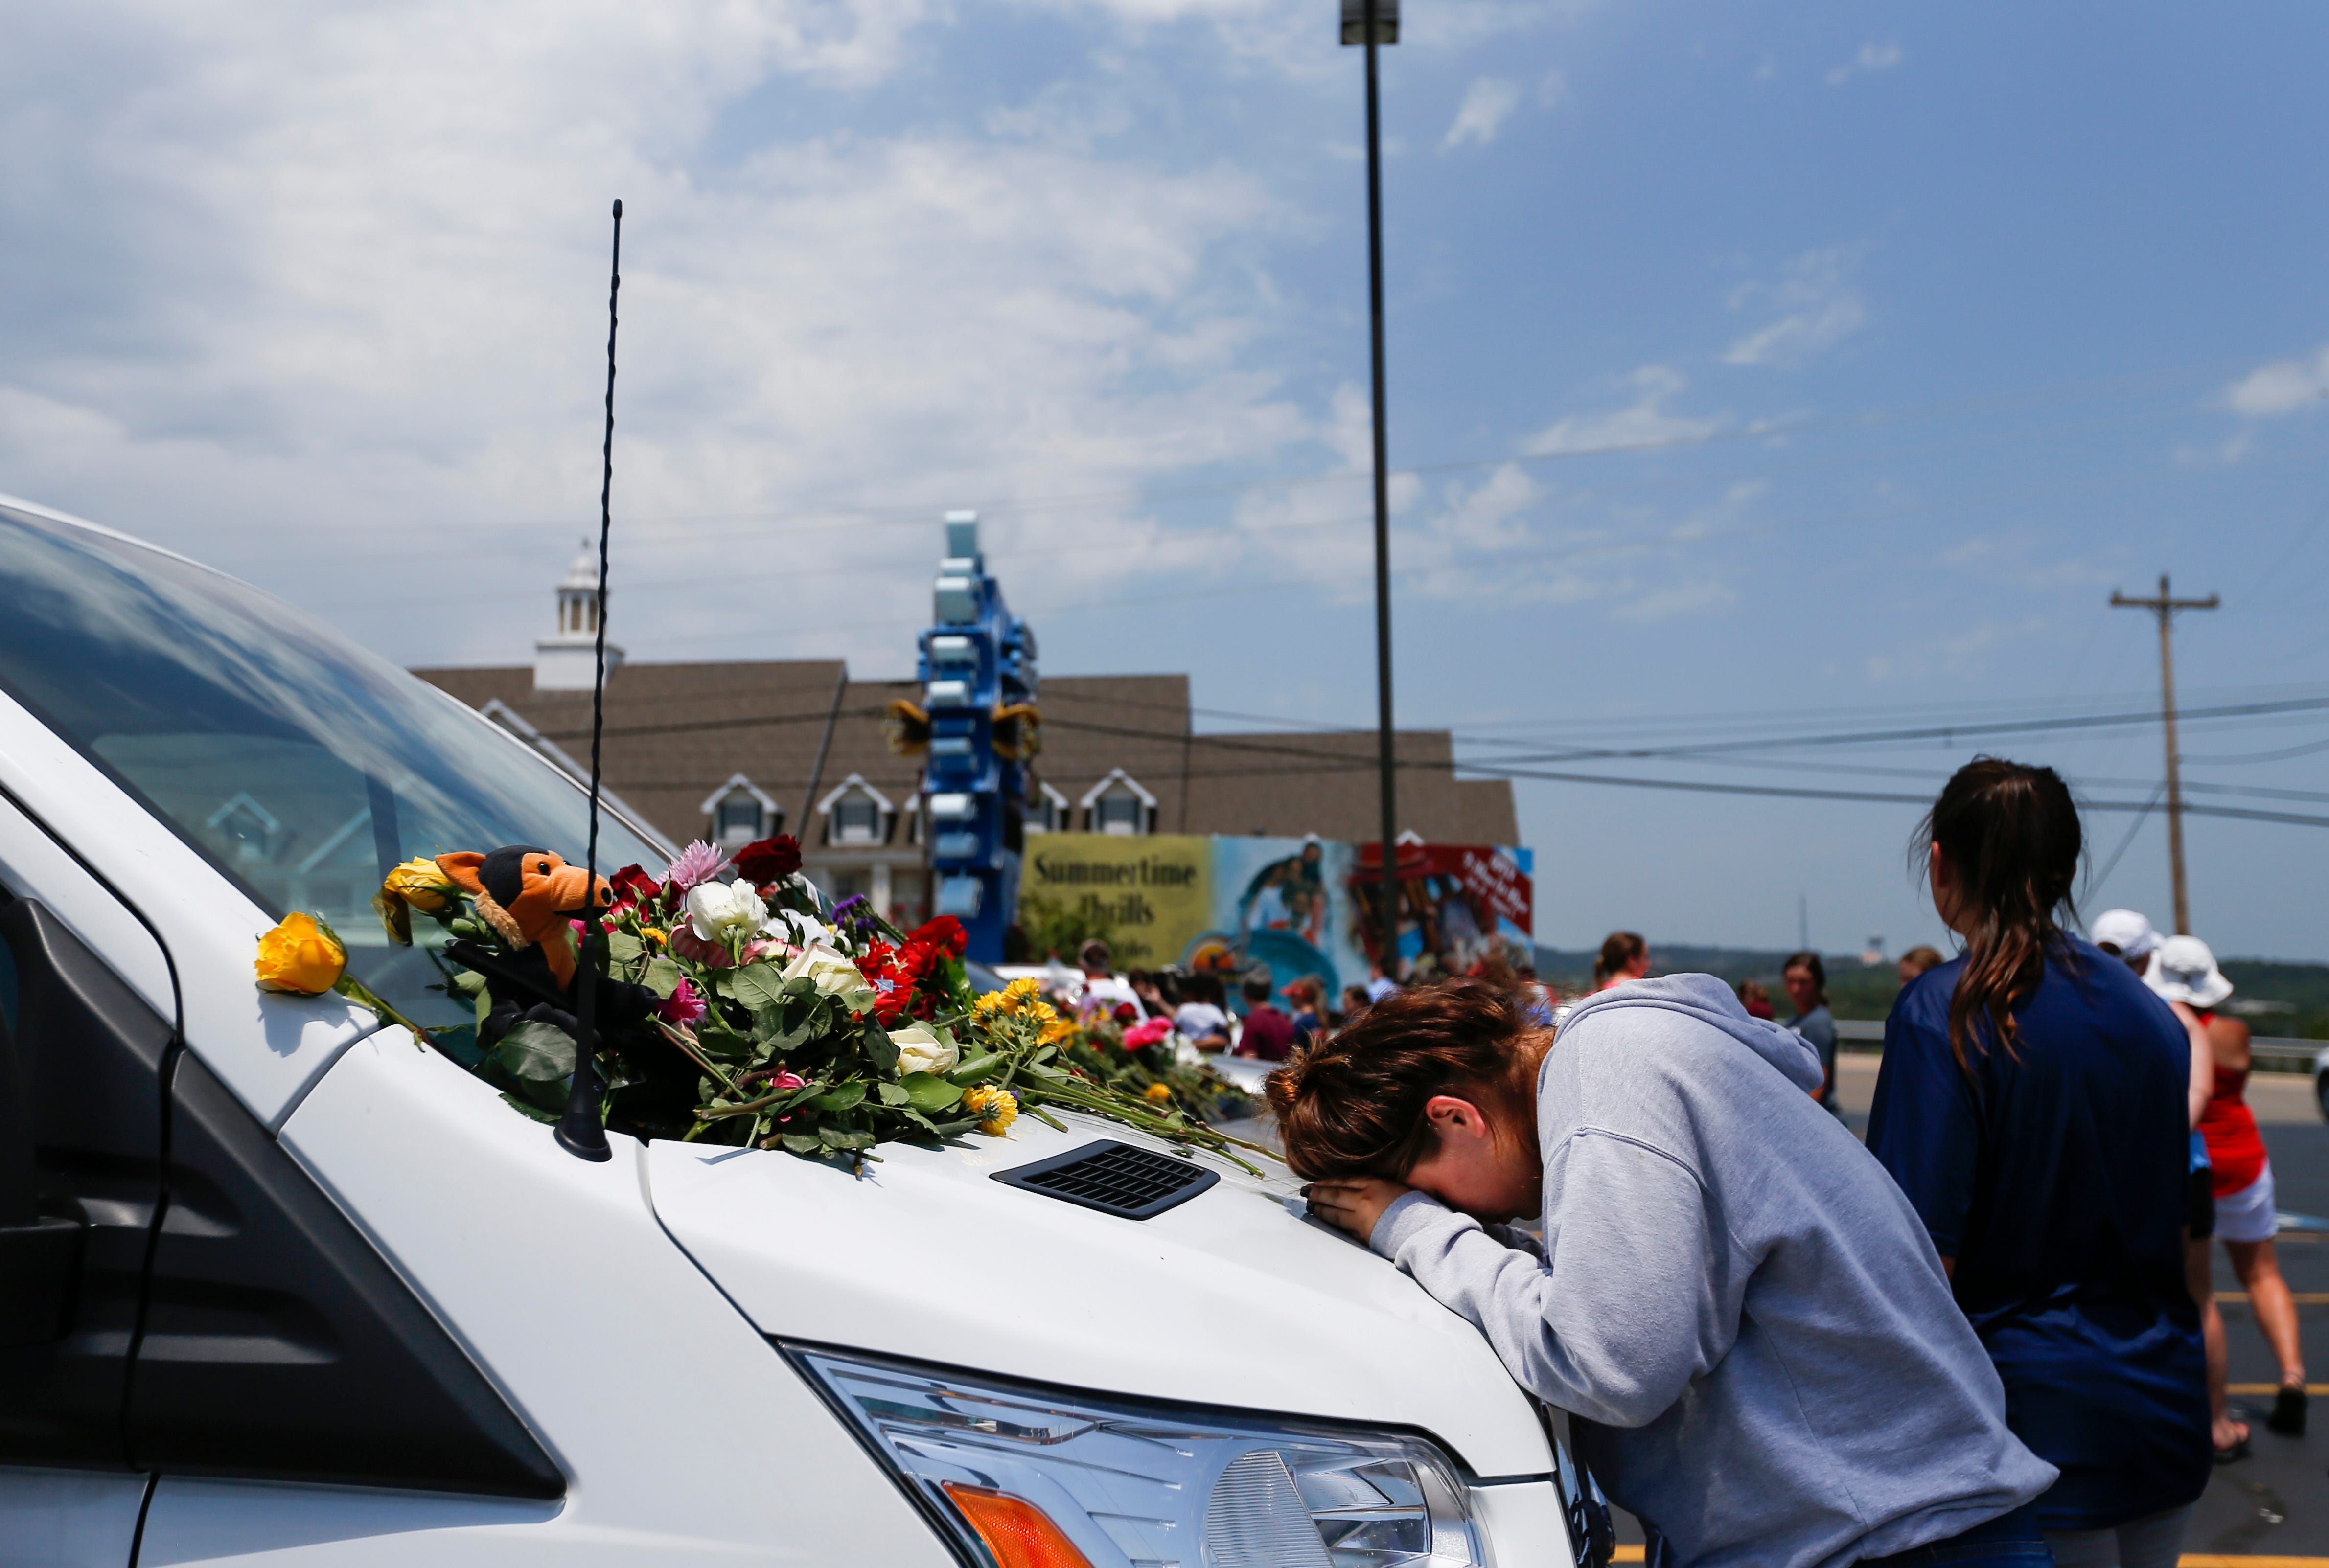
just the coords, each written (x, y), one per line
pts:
(568, 661)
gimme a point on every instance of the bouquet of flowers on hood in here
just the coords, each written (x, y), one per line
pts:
(732, 1006)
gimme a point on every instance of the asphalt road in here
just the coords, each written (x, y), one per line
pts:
(2274, 1503)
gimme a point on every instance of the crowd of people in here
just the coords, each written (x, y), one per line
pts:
(1984, 1336)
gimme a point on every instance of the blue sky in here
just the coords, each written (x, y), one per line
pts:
(1757, 372)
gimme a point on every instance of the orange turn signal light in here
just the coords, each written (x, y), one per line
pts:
(1019, 1534)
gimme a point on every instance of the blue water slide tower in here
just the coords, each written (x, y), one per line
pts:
(978, 688)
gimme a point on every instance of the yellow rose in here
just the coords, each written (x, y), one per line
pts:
(1159, 1093)
(417, 884)
(423, 885)
(300, 956)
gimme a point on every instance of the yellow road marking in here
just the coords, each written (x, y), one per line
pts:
(2273, 1388)
(2302, 1298)
(1627, 1554)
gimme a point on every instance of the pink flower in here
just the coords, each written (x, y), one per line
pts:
(684, 1005)
(699, 862)
(686, 944)
(786, 1078)
(1148, 1034)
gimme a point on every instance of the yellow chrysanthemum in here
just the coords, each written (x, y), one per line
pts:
(995, 1109)
(1026, 988)
(993, 1001)
(1058, 1031)
(1159, 1093)
(1043, 1012)
(655, 934)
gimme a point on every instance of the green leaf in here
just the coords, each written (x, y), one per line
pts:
(840, 1098)
(758, 986)
(879, 1049)
(546, 1117)
(624, 948)
(978, 1069)
(537, 1051)
(662, 977)
(930, 1091)
(800, 987)
(893, 1093)
(841, 1138)
(802, 1142)
(469, 981)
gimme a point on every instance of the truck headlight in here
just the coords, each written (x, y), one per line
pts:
(1023, 1478)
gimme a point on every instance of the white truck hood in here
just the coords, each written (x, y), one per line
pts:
(1229, 1299)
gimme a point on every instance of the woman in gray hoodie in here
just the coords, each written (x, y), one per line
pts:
(1744, 1317)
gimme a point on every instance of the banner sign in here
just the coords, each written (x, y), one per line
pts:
(1303, 907)
(1153, 891)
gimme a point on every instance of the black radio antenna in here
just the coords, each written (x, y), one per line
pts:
(582, 1129)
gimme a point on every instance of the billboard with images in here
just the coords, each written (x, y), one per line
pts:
(1303, 906)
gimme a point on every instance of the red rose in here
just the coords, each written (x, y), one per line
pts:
(769, 860)
(633, 886)
(944, 931)
(1125, 1013)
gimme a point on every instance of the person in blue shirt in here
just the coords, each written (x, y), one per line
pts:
(2032, 1105)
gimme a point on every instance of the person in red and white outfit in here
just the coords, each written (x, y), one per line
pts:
(2184, 969)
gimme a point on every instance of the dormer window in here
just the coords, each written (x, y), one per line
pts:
(857, 813)
(1118, 804)
(740, 813)
(1049, 812)
(856, 820)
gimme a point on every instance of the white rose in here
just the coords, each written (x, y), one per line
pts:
(921, 1051)
(721, 911)
(833, 975)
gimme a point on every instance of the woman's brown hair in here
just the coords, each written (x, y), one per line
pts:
(1353, 1103)
(1619, 949)
(2011, 835)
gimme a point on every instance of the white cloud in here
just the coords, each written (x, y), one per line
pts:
(1871, 57)
(2281, 387)
(1818, 307)
(328, 308)
(1487, 104)
(1645, 422)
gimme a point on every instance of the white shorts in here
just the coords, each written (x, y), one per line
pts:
(2247, 1216)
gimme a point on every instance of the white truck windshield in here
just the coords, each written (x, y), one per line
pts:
(299, 764)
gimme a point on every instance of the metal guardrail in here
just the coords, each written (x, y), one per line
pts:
(2268, 1053)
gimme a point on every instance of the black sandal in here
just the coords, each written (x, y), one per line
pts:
(2287, 1417)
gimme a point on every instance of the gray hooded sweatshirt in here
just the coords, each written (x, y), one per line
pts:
(1733, 1296)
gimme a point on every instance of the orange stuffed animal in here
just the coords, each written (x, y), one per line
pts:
(528, 895)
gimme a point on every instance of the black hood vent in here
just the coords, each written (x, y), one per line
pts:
(1114, 1178)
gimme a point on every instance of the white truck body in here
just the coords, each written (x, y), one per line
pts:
(641, 1323)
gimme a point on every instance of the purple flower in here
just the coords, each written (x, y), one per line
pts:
(854, 914)
(684, 1005)
(699, 862)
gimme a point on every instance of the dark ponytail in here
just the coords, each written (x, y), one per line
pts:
(2010, 833)
(1619, 949)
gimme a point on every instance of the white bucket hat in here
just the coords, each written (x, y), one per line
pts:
(2128, 930)
(2185, 971)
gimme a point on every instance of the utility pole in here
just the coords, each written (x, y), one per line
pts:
(2164, 607)
(1372, 22)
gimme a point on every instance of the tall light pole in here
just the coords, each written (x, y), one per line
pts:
(2164, 607)
(1372, 22)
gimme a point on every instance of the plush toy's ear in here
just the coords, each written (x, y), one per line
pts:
(462, 870)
